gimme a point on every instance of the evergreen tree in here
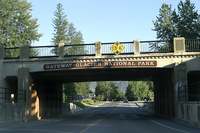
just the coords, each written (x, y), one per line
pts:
(170, 24)
(17, 27)
(114, 93)
(66, 33)
(165, 29)
(60, 25)
(164, 25)
(130, 90)
(187, 20)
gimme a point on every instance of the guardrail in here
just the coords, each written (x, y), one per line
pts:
(8, 95)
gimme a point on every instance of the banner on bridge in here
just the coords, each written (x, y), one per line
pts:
(101, 64)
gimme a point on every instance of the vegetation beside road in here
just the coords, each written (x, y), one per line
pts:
(87, 103)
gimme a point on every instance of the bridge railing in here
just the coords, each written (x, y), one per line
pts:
(192, 45)
(11, 53)
(128, 48)
(43, 51)
(164, 46)
(80, 50)
(178, 45)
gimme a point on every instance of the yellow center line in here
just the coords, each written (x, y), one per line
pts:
(91, 125)
(94, 123)
(115, 108)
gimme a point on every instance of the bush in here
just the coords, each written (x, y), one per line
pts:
(99, 98)
(96, 101)
(88, 101)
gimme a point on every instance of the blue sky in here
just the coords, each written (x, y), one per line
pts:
(103, 20)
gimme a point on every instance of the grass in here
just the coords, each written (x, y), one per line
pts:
(86, 103)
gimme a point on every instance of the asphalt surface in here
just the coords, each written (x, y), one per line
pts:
(110, 117)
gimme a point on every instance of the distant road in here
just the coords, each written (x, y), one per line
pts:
(111, 117)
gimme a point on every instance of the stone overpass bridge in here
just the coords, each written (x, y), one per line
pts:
(34, 81)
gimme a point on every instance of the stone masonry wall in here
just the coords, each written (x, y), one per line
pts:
(189, 112)
(10, 112)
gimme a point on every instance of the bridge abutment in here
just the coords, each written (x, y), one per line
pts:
(181, 82)
(164, 94)
(50, 97)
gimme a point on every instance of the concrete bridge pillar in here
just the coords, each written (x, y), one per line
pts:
(136, 47)
(24, 51)
(181, 82)
(61, 50)
(26, 94)
(164, 95)
(23, 84)
(179, 44)
(97, 48)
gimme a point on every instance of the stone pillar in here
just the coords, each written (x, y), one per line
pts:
(136, 47)
(2, 52)
(98, 48)
(179, 44)
(24, 52)
(61, 50)
(23, 84)
(181, 81)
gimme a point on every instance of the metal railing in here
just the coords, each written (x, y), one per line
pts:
(189, 92)
(164, 46)
(192, 45)
(44, 51)
(80, 50)
(128, 48)
(12, 53)
(8, 95)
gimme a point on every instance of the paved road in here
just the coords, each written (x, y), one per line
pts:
(113, 117)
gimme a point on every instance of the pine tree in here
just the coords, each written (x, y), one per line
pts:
(16, 24)
(130, 90)
(114, 93)
(187, 20)
(170, 24)
(164, 25)
(66, 33)
(60, 24)
(165, 30)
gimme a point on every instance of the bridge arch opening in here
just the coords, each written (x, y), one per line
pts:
(48, 86)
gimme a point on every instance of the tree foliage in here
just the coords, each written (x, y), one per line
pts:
(108, 90)
(17, 27)
(137, 89)
(65, 32)
(76, 88)
(183, 23)
(164, 25)
(187, 20)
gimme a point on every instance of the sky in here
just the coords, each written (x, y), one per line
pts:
(103, 20)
